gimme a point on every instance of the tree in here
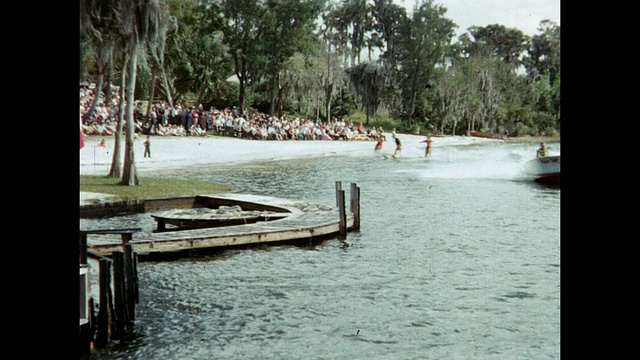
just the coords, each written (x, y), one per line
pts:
(138, 19)
(288, 28)
(243, 28)
(544, 51)
(421, 47)
(388, 18)
(355, 23)
(543, 62)
(331, 51)
(492, 59)
(368, 81)
(97, 21)
(116, 163)
(157, 49)
(497, 41)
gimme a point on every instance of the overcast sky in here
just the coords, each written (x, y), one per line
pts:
(524, 15)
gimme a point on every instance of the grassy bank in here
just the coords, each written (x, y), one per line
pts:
(149, 187)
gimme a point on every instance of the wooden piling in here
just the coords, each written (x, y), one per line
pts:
(115, 308)
(130, 281)
(102, 335)
(83, 248)
(126, 237)
(86, 327)
(135, 276)
(84, 345)
(161, 226)
(355, 205)
(338, 188)
(119, 294)
(342, 213)
(110, 300)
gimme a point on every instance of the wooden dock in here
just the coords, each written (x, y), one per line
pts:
(113, 253)
(304, 221)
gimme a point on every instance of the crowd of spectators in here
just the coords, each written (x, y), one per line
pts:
(184, 120)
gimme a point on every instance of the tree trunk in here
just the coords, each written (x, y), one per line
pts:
(241, 94)
(107, 88)
(366, 122)
(280, 104)
(87, 115)
(116, 163)
(455, 124)
(272, 97)
(165, 83)
(100, 65)
(129, 174)
(152, 93)
(329, 88)
(328, 92)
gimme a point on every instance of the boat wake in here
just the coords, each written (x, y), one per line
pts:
(504, 162)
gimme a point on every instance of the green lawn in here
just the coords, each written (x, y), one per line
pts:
(149, 187)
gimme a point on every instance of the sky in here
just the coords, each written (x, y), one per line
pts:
(524, 15)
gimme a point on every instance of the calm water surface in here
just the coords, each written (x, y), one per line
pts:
(458, 257)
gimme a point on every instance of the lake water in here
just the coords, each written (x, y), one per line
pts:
(458, 257)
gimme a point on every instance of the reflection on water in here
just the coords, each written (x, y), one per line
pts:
(457, 257)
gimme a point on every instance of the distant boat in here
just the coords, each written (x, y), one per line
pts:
(544, 169)
(488, 135)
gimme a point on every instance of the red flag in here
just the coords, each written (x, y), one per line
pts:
(102, 144)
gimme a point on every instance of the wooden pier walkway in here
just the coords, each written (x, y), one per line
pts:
(304, 221)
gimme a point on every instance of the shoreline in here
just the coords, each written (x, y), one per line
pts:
(178, 152)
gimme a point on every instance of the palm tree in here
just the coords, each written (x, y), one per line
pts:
(139, 19)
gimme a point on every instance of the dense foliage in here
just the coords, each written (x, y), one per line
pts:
(323, 58)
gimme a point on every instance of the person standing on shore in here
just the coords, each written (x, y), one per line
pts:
(427, 152)
(147, 147)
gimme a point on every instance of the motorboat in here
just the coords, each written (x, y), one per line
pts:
(544, 168)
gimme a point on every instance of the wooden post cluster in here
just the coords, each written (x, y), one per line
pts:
(354, 207)
(116, 310)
